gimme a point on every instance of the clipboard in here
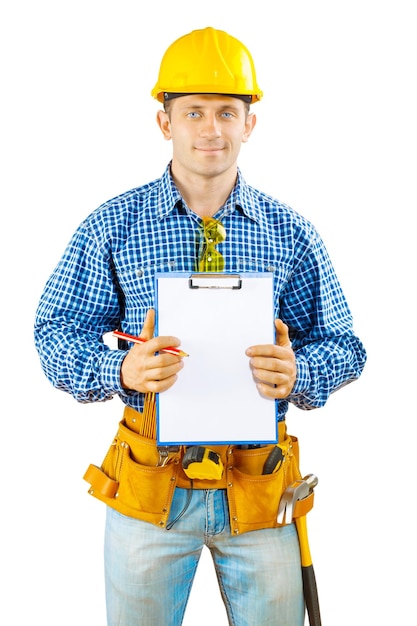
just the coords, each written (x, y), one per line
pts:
(216, 316)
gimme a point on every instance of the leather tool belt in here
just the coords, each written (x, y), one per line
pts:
(136, 480)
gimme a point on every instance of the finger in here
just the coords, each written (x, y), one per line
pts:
(158, 344)
(158, 386)
(271, 391)
(267, 350)
(278, 390)
(267, 391)
(163, 372)
(261, 364)
(282, 337)
(265, 376)
(149, 325)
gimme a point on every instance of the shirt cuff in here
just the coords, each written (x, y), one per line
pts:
(302, 381)
(110, 372)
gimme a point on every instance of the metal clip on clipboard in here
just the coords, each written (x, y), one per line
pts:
(215, 281)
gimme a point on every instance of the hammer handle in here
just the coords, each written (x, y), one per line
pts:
(311, 595)
(309, 578)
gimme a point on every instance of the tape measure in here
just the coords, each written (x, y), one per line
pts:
(203, 463)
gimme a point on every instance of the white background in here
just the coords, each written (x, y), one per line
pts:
(336, 139)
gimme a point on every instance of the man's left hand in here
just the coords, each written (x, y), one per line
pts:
(274, 367)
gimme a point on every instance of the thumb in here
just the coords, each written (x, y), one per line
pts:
(149, 325)
(281, 336)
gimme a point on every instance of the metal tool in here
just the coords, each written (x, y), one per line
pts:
(299, 490)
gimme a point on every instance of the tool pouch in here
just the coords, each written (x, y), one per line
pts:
(132, 480)
(137, 482)
(253, 496)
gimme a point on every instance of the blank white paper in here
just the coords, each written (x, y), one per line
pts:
(215, 399)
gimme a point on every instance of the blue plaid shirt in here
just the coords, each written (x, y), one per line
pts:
(105, 280)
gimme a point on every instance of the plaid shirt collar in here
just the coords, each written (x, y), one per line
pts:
(241, 196)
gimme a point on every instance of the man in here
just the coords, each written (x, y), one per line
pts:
(158, 517)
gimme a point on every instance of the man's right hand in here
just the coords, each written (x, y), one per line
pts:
(144, 371)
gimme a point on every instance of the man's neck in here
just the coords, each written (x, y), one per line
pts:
(205, 195)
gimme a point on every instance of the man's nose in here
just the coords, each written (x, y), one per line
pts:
(210, 127)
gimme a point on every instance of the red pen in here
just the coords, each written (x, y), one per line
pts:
(176, 351)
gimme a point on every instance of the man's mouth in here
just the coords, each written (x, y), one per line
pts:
(209, 148)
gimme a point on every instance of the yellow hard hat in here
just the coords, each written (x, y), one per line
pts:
(207, 61)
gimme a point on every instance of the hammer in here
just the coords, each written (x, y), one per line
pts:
(299, 490)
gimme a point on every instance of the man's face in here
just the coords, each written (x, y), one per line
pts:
(207, 132)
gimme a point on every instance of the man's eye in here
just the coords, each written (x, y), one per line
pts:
(227, 114)
(193, 114)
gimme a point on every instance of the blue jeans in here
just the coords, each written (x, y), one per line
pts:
(149, 571)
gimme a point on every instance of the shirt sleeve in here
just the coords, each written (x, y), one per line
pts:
(328, 353)
(80, 303)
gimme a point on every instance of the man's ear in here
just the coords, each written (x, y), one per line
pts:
(164, 124)
(249, 126)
